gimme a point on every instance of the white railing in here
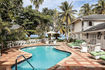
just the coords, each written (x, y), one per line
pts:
(22, 42)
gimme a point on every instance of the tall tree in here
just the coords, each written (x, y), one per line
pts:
(37, 3)
(47, 11)
(55, 20)
(85, 10)
(100, 7)
(34, 22)
(67, 16)
(10, 9)
(4, 31)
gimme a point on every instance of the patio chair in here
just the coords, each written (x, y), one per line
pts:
(35, 41)
(84, 47)
(97, 47)
(54, 42)
(47, 42)
(97, 55)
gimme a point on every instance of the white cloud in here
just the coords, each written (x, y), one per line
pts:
(26, 3)
(52, 4)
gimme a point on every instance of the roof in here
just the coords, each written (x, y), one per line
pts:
(91, 17)
(94, 17)
(97, 27)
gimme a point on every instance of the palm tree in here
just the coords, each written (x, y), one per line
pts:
(100, 7)
(45, 10)
(61, 27)
(55, 20)
(67, 15)
(37, 3)
(1, 1)
(85, 10)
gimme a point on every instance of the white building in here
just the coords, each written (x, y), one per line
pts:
(89, 28)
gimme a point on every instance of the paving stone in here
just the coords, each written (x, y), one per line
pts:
(84, 63)
(77, 60)
(71, 63)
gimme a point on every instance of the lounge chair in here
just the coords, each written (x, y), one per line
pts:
(76, 44)
(97, 55)
(73, 45)
(103, 58)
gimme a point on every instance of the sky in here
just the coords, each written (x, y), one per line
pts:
(52, 4)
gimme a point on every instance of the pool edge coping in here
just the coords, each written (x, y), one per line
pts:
(43, 45)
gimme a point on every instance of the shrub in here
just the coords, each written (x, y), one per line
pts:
(60, 40)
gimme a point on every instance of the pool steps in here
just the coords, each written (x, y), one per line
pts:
(25, 60)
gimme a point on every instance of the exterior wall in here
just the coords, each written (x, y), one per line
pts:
(93, 39)
(78, 27)
(77, 36)
(85, 38)
(103, 40)
(85, 26)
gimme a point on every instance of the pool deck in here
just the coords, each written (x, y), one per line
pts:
(9, 56)
(77, 60)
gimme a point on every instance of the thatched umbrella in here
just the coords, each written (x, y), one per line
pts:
(51, 33)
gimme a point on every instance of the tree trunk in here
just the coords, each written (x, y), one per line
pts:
(29, 35)
(56, 37)
(67, 31)
(2, 44)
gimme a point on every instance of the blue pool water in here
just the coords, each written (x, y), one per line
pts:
(42, 58)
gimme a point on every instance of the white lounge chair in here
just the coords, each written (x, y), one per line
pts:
(55, 42)
(47, 42)
(97, 47)
(84, 47)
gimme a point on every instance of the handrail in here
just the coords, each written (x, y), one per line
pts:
(25, 59)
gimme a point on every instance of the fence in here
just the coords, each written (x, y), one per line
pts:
(22, 42)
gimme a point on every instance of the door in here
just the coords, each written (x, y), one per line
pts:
(103, 40)
(93, 38)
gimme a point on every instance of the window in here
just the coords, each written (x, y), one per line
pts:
(82, 23)
(87, 35)
(69, 30)
(90, 23)
(104, 35)
(99, 35)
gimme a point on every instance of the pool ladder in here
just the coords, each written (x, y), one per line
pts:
(25, 60)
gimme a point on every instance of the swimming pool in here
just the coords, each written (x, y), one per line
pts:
(43, 57)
